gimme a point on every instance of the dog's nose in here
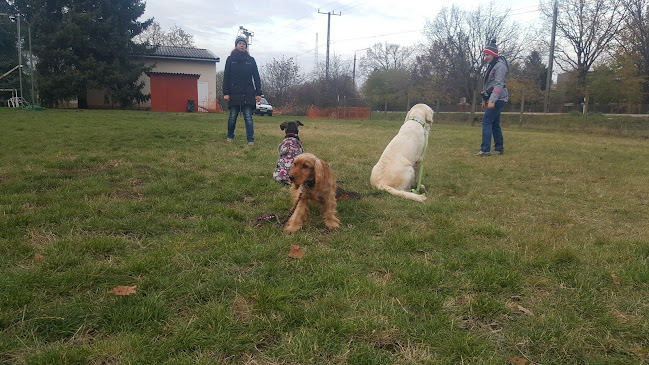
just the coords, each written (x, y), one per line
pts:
(291, 177)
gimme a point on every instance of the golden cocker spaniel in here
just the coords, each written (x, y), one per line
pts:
(312, 181)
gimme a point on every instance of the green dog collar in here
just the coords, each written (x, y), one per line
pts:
(418, 121)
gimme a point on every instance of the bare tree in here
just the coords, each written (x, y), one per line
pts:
(586, 29)
(635, 38)
(154, 35)
(385, 56)
(456, 39)
(337, 91)
(177, 37)
(281, 79)
(428, 82)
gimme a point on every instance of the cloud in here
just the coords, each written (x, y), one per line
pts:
(288, 28)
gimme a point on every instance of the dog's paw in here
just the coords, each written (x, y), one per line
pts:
(291, 229)
(333, 227)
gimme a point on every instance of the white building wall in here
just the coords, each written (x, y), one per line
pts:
(206, 70)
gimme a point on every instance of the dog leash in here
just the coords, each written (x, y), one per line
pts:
(266, 218)
(421, 164)
(290, 213)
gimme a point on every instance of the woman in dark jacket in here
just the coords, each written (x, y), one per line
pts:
(241, 88)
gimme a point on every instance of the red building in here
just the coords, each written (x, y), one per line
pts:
(183, 79)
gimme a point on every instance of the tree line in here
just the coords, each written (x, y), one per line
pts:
(601, 50)
(83, 45)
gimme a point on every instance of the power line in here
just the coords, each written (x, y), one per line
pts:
(378, 35)
(328, 39)
(299, 24)
(307, 16)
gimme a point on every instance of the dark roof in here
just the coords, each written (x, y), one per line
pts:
(198, 54)
(173, 74)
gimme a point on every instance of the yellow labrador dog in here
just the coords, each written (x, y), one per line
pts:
(398, 168)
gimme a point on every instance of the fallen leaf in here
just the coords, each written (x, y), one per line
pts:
(518, 361)
(344, 197)
(124, 290)
(616, 281)
(296, 252)
(524, 310)
(38, 257)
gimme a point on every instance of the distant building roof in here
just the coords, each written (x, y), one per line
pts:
(197, 54)
(172, 74)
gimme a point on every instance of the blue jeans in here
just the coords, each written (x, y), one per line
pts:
(247, 118)
(491, 127)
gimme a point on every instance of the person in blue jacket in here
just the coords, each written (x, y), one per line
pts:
(241, 88)
(494, 95)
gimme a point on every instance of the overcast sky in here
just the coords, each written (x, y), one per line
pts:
(290, 28)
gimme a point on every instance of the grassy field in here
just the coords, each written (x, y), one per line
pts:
(539, 255)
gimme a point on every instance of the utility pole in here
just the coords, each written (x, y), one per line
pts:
(31, 60)
(20, 60)
(548, 80)
(316, 50)
(328, 39)
(354, 72)
(247, 33)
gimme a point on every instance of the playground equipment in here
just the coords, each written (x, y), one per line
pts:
(15, 101)
(8, 72)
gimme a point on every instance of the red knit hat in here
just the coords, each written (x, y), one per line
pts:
(491, 48)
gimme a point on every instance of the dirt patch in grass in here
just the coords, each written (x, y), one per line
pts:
(127, 195)
(243, 308)
(40, 238)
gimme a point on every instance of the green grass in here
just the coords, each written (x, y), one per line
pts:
(161, 201)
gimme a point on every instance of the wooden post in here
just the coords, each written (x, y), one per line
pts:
(520, 119)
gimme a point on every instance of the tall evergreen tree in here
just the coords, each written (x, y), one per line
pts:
(84, 45)
(536, 70)
(8, 51)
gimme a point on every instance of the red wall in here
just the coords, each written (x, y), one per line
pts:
(169, 93)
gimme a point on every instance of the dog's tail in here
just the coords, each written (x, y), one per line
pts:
(403, 194)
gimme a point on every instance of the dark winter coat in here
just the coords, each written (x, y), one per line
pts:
(241, 79)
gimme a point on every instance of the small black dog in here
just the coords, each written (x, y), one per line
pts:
(288, 150)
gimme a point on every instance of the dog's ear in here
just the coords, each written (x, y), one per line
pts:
(429, 115)
(298, 122)
(283, 125)
(321, 170)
